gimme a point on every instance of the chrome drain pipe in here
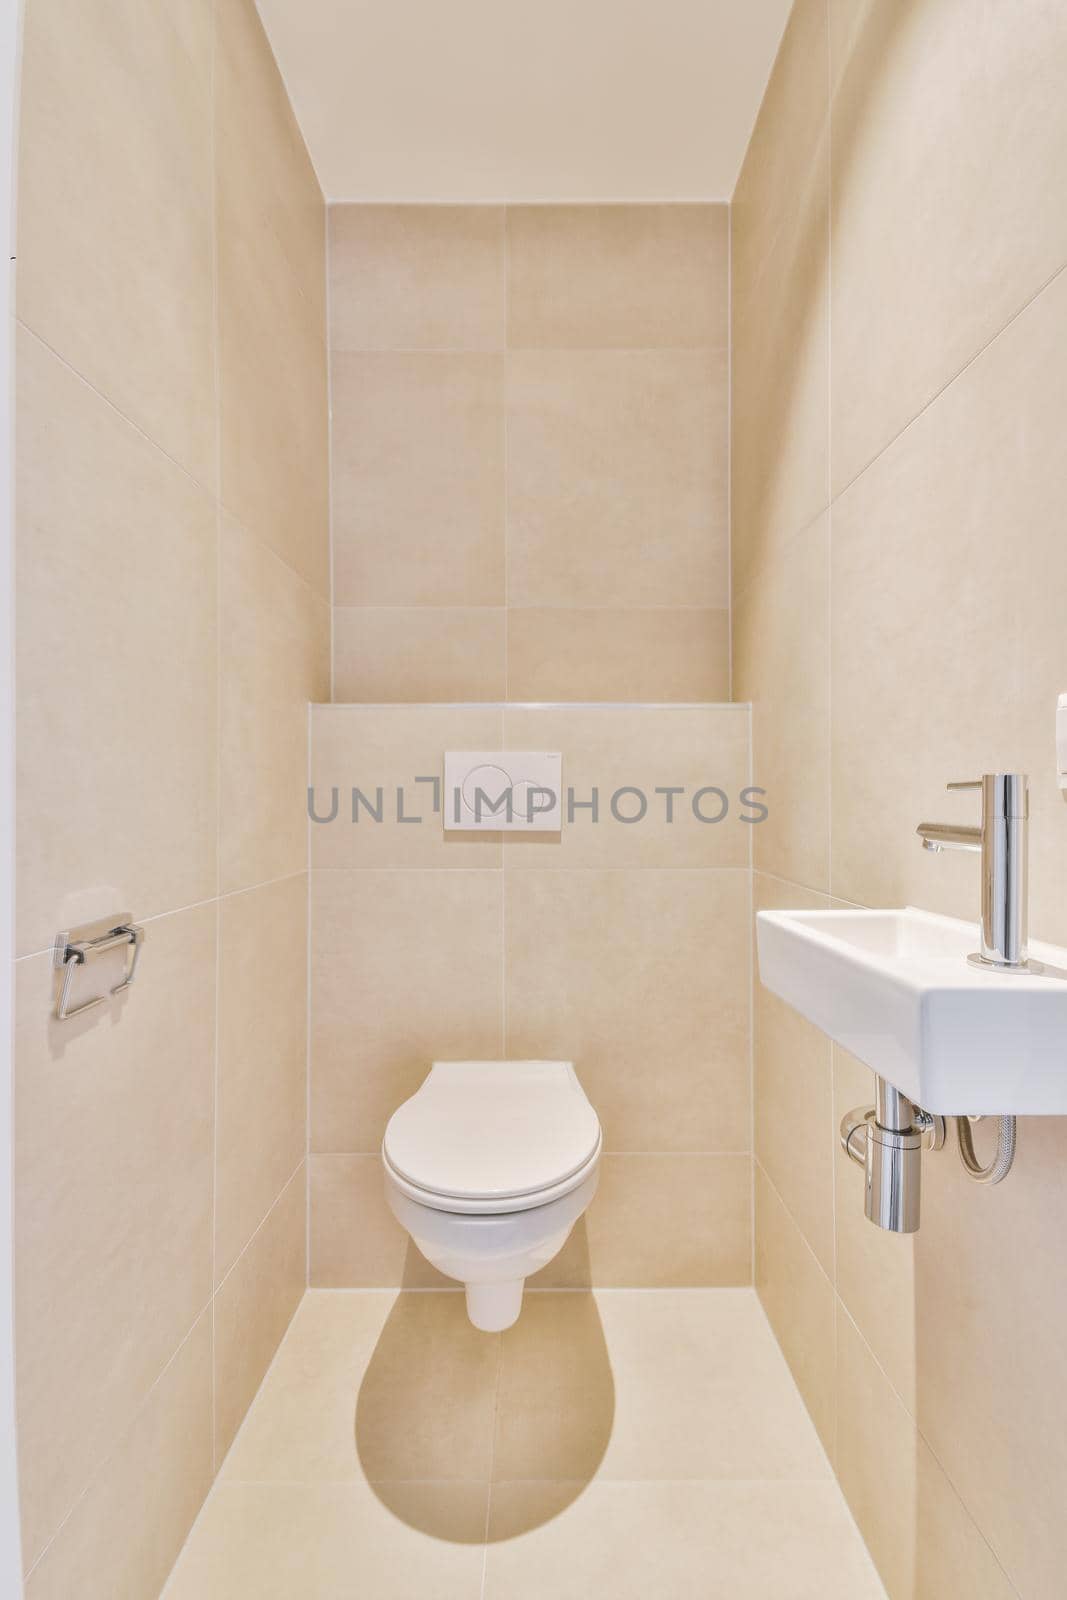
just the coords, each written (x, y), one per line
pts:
(886, 1140)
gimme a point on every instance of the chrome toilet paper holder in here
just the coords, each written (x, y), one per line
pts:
(75, 947)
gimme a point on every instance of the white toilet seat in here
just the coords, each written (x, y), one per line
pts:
(491, 1137)
(474, 1205)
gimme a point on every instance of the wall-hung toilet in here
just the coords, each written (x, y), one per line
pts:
(488, 1166)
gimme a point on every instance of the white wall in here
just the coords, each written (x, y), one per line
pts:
(10, 1560)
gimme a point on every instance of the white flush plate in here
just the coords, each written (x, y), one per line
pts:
(503, 791)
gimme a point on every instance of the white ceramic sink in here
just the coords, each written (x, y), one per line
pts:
(895, 989)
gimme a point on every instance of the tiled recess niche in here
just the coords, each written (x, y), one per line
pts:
(529, 457)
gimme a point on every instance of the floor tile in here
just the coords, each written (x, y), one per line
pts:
(691, 1541)
(373, 1385)
(674, 1384)
(333, 1542)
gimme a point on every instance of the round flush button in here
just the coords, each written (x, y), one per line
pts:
(493, 782)
(522, 799)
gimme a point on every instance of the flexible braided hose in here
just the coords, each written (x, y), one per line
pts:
(1001, 1163)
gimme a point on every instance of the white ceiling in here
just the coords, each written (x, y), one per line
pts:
(526, 99)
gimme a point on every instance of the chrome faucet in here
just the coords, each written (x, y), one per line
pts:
(1002, 840)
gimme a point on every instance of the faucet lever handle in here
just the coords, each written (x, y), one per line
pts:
(1004, 794)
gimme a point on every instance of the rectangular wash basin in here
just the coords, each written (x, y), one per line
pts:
(895, 989)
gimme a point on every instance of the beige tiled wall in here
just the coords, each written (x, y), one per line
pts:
(621, 946)
(899, 569)
(173, 623)
(530, 412)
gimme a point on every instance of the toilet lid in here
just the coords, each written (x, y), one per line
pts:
(482, 1130)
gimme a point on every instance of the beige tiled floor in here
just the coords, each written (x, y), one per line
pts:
(623, 1443)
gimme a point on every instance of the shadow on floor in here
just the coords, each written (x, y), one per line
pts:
(443, 1409)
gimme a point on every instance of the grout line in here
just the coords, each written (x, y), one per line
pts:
(752, 959)
(796, 1224)
(680, 1155)
(530, 705)
(503, 957)
(268, 550)
(244, 1421)
(334, 1483)
(844, 1501)
(596, 1289)
(214, 495)
(258, 1229)
(836, 1398)
(193, 905)
(776, 556)
(307, 1030)
(716, 348)
(567, 606)
(268, 883)
(828, 576)
(805, 888)
(506, 263)
(337, 1483)
(971, 1518)
(104, 1461)
(798, 1392)
(492, 1460)
(217, 380)
(216, 1464)
(954, 379)
(730, 448)
(534, 866)
(503, 202)
(215, 1187)
(128, 420)
(329, 437)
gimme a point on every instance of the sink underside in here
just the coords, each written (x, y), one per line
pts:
(895, 989)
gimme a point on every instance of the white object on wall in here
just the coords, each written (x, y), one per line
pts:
(503, 791)
(1061, 741)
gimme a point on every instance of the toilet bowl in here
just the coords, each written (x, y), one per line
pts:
(488, 1166)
